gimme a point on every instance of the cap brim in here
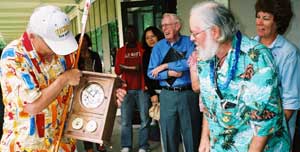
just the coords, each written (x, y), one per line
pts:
(63, 47)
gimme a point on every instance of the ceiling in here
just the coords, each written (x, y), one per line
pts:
(14, 15)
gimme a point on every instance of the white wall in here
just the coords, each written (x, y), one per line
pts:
(245, 13)
(183, 11)
(293, 33)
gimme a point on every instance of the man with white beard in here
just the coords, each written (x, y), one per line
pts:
(238, 81)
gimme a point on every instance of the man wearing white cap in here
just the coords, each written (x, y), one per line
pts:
(35, 75)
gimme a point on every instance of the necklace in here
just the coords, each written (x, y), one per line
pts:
(213, 72)
(220, 61)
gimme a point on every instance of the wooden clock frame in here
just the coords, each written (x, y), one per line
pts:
(103, 115)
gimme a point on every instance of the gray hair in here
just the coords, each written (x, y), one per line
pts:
(174, 17)
(211, 13)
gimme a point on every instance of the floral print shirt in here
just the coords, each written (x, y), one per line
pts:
(23, 76)
(249, 106)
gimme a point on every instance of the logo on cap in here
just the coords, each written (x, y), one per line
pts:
(63, 31)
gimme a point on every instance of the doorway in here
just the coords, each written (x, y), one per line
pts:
(141, 14)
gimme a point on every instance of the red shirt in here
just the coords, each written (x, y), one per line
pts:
(131, 57)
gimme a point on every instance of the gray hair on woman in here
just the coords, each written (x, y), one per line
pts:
(215, 14)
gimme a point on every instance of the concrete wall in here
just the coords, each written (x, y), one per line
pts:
(183, 11)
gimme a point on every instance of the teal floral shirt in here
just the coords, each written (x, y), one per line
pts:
(249, 106)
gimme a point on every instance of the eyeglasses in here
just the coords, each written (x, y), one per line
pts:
(196, 34)
(167, 25)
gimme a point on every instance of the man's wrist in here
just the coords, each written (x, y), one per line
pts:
(165, 66)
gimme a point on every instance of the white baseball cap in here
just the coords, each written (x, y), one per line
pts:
(53, 25)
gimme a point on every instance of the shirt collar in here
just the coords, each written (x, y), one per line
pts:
(178, 41)
(277, 43)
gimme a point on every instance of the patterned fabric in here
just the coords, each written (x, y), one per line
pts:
(287, 59)
(251, 103)
(23, 76)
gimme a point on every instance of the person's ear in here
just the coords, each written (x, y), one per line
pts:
(31, 36)
(216, 32)
(178, 26)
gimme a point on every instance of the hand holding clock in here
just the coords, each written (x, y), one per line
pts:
(120, 93)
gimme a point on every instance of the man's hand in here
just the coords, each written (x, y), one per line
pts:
(288, 114)
(130, 68)
(72, 76)
(258, 143)
(176, 74)
(159, 69)
(204, 143)
(120, 93)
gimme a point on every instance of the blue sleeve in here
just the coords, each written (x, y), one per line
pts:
(156, 60)
(290, 80)
(181, 65)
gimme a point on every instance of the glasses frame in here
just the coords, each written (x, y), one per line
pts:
(168, 25)
(197, 33)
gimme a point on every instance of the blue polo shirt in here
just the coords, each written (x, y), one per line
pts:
(183, 45)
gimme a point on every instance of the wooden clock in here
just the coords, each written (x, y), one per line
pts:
(93, 110)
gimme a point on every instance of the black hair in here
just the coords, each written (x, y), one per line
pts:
(155, 31)
(87, 37)
(280, 9)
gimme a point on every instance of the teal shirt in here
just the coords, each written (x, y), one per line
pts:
(251, 104)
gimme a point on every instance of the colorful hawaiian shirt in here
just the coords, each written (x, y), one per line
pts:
(248, 102)
(23, 76)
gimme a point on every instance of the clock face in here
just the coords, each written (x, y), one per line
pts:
(92, 95)
(77, 123)
(91, 126)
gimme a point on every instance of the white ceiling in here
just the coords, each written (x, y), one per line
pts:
(14, 15)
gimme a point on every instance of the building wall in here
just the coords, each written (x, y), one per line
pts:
(110, 11)
(101, 23)
(183, 11)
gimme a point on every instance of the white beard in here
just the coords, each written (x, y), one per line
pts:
(210, 50)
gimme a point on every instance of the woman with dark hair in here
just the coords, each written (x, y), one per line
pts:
(272, 20)
(150, 37)
(89, 61)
